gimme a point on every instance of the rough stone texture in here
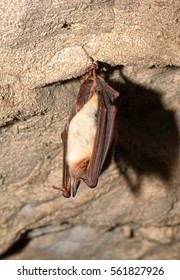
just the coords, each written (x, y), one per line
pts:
(41, 39)
(134, 213)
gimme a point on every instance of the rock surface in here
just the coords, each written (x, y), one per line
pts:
(134, 213)
(41, 39)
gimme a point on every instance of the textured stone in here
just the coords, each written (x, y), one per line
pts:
(41, 39)
(134, 213)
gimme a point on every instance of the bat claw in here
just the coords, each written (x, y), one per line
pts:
(64, 191)
(56, 188)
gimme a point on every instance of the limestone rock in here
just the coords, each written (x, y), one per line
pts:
(134, 213)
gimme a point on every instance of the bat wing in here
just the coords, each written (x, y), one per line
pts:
(104, 132)
(66, 181)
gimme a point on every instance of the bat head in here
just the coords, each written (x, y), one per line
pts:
(79, 170)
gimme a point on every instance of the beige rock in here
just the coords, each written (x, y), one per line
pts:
(134, 213)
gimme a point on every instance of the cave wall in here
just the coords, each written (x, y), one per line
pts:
(45, 48)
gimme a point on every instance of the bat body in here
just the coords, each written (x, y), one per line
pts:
(82, 130)
(89, 134)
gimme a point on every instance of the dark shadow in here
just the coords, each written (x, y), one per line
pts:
(147, 137)
(17, 247)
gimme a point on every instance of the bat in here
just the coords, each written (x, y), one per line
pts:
(89, 134)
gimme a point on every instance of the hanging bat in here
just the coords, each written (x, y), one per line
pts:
(89, 134)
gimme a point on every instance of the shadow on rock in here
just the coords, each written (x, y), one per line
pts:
(147, 137)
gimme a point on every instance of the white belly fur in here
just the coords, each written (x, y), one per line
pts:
(82, 131)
